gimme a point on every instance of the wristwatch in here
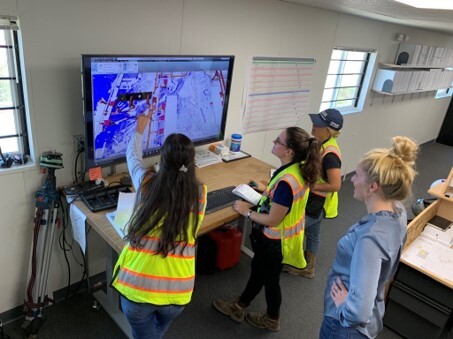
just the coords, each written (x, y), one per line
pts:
(249, 214)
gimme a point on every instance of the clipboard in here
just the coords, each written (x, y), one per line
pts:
(233, 156)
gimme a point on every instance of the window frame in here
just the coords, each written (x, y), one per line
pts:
(362, 86)
(18, 87)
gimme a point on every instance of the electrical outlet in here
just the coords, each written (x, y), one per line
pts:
(79, 143)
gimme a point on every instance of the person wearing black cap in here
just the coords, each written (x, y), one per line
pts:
(323, 198)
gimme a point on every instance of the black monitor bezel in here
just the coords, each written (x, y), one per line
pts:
(86, 76)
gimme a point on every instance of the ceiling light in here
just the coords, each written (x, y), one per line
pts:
(432, 4)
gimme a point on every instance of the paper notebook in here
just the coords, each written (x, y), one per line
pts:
(247, 193)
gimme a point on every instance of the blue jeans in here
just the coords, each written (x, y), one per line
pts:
(313, 232)
(148, 320)
(332, 329)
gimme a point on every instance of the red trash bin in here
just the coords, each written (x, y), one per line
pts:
(228, 240)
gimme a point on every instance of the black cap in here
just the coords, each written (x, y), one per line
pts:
(330, 117)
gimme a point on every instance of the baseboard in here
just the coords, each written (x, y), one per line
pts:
(12, 315)
(432, 141)
(97, 282)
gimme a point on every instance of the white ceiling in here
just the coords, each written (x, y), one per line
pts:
(388, 11)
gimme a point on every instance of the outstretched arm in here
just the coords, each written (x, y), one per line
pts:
(134, 152)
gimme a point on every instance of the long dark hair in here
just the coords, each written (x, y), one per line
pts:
(165, 200)
(306, 151)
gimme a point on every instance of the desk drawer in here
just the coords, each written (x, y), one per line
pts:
(425, 285)
(413, 315)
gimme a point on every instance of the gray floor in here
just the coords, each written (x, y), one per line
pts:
(301, 311)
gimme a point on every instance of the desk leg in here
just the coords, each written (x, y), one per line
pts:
(87, 267)
(245, 226)
(111, 301)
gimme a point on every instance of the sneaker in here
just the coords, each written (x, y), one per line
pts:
(262, 320)
(231, 308)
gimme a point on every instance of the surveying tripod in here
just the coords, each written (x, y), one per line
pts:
(47, 204)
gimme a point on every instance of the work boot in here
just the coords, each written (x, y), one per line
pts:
(309, 270)
(262, 320)
(231, 308)
(286, 268)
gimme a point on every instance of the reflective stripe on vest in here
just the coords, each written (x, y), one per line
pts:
(329, 147)
(146, 277)
(155, 283)
(291, 229)
(298, 193)
(151, 244)
(331, 202)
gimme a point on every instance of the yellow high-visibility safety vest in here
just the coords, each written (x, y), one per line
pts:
(291, 229)
(143, 276)
(331, 202)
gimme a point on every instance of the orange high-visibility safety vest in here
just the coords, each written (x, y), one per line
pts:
(143, 276)
(291, 229)
(331, 202)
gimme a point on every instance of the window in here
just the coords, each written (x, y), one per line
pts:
(347, 79)
(445, 92)
(14, 137)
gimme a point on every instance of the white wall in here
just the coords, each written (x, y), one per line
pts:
(56, 32)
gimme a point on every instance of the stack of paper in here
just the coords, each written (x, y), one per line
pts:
(120, 218)
(430, 254)
(206, 158)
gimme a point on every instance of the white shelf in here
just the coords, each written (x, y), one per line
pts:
(401, 93)
(393, 79)
(394, 66)
(421, 56)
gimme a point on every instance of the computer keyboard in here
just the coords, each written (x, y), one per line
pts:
(221, 198)
(104, 198)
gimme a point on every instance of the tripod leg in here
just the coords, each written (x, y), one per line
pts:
(33, 271)
(48, 250)
(32, 306)
(43, 238)
(46, 213)
(41, 250)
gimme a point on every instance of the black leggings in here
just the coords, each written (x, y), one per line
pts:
(266, 270)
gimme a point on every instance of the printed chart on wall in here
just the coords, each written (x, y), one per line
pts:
(278, 93)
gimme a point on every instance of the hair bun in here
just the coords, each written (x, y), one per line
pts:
(405, 149)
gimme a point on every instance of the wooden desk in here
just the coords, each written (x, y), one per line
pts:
(420, 303)
(215, 177)
(441, 207)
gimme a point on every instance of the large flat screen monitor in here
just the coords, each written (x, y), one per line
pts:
(187, 94)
